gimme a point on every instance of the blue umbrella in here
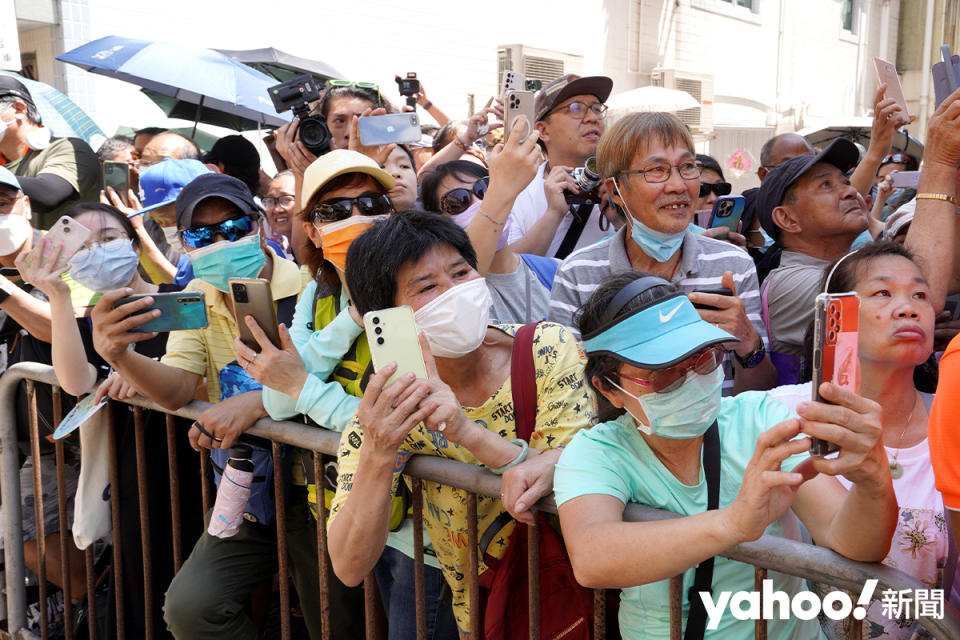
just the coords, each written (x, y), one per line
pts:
(63, 117)
(200, 84)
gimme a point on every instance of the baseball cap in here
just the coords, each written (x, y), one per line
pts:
(657, 335)
(160, 184)
(213, 185)
(336, 163)
(568, 86)
(841, 153)
(899, 219)
(10, 86)
(7, 178)
(233, 150)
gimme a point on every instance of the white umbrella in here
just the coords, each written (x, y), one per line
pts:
(652, 99)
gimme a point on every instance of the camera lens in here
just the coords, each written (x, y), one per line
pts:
(376, 320)
(378, 330)
(379, 340)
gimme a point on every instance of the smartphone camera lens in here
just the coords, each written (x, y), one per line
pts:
(378, 330)
(376, 320)
(240, 293)
(379, 340)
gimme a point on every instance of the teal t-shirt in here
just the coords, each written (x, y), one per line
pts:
(613, 459)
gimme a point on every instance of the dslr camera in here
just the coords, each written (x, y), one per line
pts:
(296, 95)
(409, 87)
(588, 181)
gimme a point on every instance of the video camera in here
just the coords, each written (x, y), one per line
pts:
(296, 94)
(409, 87)
(588, 181)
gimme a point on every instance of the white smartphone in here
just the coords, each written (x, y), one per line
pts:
(905, 179)
(518, 103)
(392, 337)
(68, 231)
(512, 81)
(887, 73)
(389, 128)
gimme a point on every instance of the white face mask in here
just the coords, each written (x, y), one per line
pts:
(172, 236)
(3, 128)
(455, 322)
(39, 139)
(14, 231)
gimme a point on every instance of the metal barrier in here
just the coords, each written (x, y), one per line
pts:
(768, 553)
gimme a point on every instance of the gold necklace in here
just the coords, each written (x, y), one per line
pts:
(896, 469)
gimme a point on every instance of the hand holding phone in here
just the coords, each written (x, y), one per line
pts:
(116, 175)
(252, 297)
(887, 74)
(69, 233)
(727, 211)
(835, 359)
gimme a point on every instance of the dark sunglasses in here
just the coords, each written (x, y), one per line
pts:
(667, 380)
(369, 204)
(720, 188)
(458, 200)
(231, 230)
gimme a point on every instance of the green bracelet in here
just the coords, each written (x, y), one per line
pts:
(525, 448)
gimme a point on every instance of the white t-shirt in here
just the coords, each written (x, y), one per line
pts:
(530, 206)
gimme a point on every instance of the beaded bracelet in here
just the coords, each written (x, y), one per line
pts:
(460, 143)
(524, 449)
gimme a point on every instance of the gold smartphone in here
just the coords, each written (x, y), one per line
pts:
(252, 297)
(392, 336)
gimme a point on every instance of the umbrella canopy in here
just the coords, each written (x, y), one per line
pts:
(204, 83)
(858, 130)
(60, 114)
(652, 99)
(204, 139)
(283, 66)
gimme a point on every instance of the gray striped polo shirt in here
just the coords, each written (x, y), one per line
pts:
(702, 264)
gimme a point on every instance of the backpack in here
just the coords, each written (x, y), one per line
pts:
(566, 608)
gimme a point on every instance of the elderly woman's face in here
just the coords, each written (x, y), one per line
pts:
(441, 268)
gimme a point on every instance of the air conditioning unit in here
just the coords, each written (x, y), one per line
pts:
(698, 85)
(536, 64)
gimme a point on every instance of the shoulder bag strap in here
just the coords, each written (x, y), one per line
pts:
(580, 217)
(703, 578)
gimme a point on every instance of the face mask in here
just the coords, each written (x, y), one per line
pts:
(215, 264)
(14, 231)
(767, 240)
(455, 322)
(172, 236)
(685, 412)
(464, 218)
(336, 238)
(3, 128)
(658, 245)
(38, 139)
(104, 266)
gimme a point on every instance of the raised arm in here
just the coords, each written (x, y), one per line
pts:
(887, 118)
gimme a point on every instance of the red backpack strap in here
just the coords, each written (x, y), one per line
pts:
(523, 382)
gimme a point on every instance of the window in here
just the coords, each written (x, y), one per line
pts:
(846, 16)
(745, 10)
(741, 3)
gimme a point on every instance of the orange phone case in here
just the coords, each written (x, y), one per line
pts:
(836, 325)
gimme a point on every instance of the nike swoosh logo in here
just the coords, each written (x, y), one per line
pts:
(666, 318)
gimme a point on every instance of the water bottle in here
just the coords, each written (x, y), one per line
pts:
(233, 493)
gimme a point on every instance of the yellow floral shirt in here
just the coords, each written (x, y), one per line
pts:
(565, 405)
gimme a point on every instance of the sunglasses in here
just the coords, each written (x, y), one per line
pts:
(369, 204)
(231, 230)
(667, 380)
(372, 86)
(720, 188)
(457, 200)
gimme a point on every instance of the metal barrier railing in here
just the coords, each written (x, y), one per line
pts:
(768, 553)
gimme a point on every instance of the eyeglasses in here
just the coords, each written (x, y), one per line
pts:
(372, 86)
(667, 380)
(282, 201)
(369, 204)
(231, 230)
(458, 200)
(661, 173)
(719, 188)
(579, 109)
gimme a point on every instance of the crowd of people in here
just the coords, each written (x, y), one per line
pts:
(672, 364)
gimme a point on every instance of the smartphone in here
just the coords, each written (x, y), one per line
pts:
(68, 231)
(178, 310)
(516, 104)
(946, 75)
(389, 128)
(835, 334)
(727, 211)
(887, 74)
(117, 175)
(252, 297)
(512, 81)
(905, 179)
(392, 336)
(718, 292)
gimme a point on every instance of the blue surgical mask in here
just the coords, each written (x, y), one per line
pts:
(685, 412)
(215, 264)
(105, 266)
(658, 245)
(767, 240)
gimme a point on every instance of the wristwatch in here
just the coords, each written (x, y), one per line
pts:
(753, 358)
